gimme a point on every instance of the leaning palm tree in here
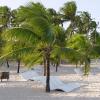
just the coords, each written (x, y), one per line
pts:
(35, 31)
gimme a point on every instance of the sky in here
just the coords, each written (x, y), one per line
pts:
(92, 6)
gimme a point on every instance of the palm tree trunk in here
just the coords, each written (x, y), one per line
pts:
(57, 66)
(48, 73)
(44, 66)
(18, 68)
(7, 63)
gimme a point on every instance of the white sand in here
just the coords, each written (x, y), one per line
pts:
(17, 89)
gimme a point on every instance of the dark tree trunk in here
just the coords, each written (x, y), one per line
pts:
(57, 66)
(18, 66)
(7, 63)
(48, 74)
(62, 24)
(45, 67)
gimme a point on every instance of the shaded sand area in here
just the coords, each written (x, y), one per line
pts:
(19, 89)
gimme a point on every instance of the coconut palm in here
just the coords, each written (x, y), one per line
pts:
(5, 15)
(84, 48)
(69, 10)
(35, 32)
(7, 20)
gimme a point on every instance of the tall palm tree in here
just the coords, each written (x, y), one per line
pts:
(68, 12)
(35, 31)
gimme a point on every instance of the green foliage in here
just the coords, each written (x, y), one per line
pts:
(4, 16)
(69, 10)
(60, 36)
(36, 33)
(19, 34)
(79, 42)
(84, 48)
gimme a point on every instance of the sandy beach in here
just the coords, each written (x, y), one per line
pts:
(19, 89)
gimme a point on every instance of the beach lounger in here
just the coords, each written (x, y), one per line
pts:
(55, 82)
(28, 75)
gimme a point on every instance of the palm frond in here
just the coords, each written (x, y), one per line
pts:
(20, 34)
(31, 10)
(22, 50)
(33, 58)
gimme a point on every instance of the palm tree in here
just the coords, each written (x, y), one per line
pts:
(5, 15)
(84, 48)
(36, 29)
(84, 24)
(69, 10)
